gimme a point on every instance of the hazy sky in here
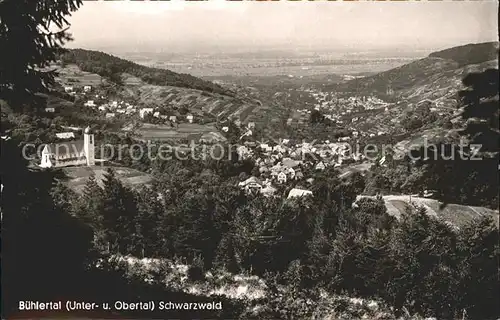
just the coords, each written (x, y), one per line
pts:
(173, 25)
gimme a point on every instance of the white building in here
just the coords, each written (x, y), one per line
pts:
(89, 103)
(71, 153)
(281, 177)
(320, 166)
(190, 118)
(265, 147)
(65, 135)
(87, 88)
(251, 185)
(51, 110)
(110, 115)
(145, 111)
(297, 193)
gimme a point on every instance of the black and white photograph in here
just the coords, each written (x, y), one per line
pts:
(249, 160)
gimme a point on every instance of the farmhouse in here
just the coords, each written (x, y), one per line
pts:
(87, 88)
(281, 177)
(251, 185)
(51, 110)
(71, 153)
(190, 118)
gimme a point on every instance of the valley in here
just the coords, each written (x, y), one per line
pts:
(249, 161)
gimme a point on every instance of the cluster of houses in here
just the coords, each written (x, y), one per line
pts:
(113, 108)
(254, 185)
(72, 90)
(286, 162)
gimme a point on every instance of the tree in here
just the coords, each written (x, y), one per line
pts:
(479, 252)
(89, 205)
(29, 45)
(316, 117)
(119, 215)
(150, 218)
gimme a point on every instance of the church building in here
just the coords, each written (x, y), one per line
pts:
(71, 153)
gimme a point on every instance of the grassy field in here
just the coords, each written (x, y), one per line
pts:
(78, 176)
(72, 75)
(456, 214)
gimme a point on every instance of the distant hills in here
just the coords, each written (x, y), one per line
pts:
(444, 68)
(470, 53)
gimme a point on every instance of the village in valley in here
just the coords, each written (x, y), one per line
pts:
(278, 162)
(241, 161)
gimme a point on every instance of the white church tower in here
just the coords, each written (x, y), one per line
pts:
(88, 145)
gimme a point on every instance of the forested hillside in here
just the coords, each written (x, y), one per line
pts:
(447, 66)
(470, 53)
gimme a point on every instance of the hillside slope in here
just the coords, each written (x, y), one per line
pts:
(457, 215)
(107, 65)
(152, 87)
(447, 66)
(433, 81)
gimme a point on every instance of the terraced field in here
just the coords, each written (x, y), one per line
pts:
(170, 98)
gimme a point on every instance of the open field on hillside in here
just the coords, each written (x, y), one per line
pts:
(78, 176)
(456, 214)
(72, 75)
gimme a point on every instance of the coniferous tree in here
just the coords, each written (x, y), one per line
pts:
(151, 214)
(119, 215)
(90, 203)
(481, 109)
